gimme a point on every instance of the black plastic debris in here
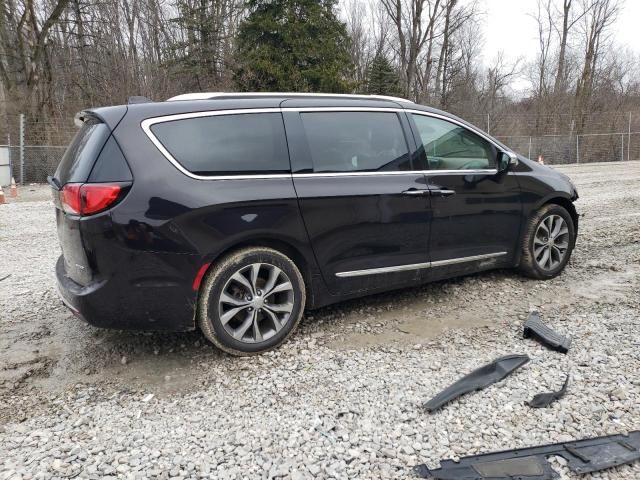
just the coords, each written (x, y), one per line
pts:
(582, 456)
(542, 400)
(478, 379)
(534, 327)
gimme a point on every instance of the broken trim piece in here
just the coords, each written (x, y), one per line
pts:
(582, 456)
(542, 400)
(534, 327)
(478, 379)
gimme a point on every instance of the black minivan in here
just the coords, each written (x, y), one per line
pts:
(235, 212)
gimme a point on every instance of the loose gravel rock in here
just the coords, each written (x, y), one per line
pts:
(342, 398)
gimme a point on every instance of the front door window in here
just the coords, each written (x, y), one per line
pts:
(449, 146)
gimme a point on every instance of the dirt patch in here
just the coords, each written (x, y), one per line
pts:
(412, 322)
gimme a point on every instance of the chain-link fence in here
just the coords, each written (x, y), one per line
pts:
(36, 163)
(34, 147)
(587, 148)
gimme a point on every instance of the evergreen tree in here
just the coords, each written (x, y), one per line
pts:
(383, 78)
(293, 45)
(200, 56)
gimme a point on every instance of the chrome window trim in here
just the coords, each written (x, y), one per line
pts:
(356, 174)
(343, 109)
(208, 113)
(418, 266)
(395, 109)
(456, 122)
(400, 172)
(149, 122)
(475, 171)
(484, 171)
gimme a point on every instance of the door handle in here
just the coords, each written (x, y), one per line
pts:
(416, 192)
(442, 192)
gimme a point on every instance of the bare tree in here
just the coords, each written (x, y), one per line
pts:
(599, 16)
(499, 76)
(380, 28)
(569, 20)
(456, 16)
(24, 61)
(544, 21)
(360, 48)
(414, 22)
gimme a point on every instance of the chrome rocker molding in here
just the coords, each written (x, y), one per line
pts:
(418, 266)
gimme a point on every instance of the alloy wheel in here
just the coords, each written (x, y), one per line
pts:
(256, 302)
(551, 242)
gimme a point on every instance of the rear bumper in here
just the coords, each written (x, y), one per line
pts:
(73, 295)
(117, 304)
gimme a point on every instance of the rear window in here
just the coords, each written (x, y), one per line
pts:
(356, 141)
(78, 160)
(247, 143)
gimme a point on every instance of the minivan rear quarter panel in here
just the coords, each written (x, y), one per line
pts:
(163, 243)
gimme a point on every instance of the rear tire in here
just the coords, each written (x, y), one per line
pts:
(251, 301)
(547, 243)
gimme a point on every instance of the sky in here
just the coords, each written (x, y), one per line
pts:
(509, 27)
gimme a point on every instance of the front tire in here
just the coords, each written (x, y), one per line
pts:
(251, 301)
(547, 242)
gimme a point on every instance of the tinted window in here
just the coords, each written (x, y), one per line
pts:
(111, 165)
(451, 147)
(227, 144)
(356, 141)
(81, 154)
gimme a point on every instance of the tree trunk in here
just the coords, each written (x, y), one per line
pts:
(559, 84)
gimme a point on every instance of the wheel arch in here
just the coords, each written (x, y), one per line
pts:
(554, 199)
(305, 265)
(281, 246)
(568, 205)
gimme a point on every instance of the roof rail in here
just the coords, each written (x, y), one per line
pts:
(215, 95)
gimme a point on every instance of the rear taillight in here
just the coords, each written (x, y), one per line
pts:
(89, 198)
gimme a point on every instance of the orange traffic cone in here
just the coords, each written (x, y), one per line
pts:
(13, 189)
(1, 196)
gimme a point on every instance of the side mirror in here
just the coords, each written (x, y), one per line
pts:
(505, 160)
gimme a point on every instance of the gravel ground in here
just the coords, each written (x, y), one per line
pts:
(342, 398)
